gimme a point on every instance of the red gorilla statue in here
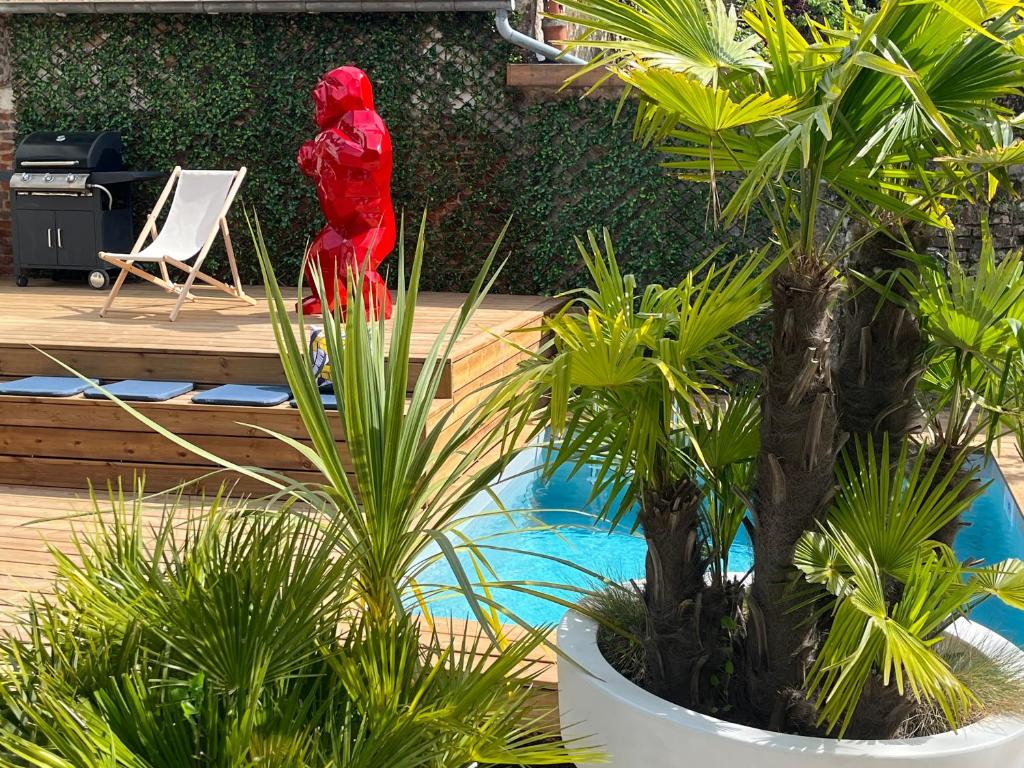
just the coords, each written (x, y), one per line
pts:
(350, 161)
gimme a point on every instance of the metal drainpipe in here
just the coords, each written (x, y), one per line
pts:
(543, 50)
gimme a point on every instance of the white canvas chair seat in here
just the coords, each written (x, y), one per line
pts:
(200, 206)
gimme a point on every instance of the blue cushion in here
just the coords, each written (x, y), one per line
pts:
(244, 394)
(45, 386)
(329, 400)
(145, 391)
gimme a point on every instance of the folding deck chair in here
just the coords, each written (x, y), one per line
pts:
(201, 203)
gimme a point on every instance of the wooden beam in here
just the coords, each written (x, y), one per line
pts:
(551, 77)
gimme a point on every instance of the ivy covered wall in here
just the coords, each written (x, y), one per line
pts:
(230, 90)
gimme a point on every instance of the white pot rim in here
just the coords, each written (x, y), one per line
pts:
(577, 640)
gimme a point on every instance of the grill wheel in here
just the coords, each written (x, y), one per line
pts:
(99, 279)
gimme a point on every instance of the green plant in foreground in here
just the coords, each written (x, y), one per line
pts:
(213, 640)
(279, 632)
(894, 588)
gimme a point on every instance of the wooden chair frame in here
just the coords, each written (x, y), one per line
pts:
(193, 270)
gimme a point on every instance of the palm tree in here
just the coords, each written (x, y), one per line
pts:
(634, 389)
(971, 362)
(878, 363)
(877, 122)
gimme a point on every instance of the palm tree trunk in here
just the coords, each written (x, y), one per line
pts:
(679, 654)
(882, 712)
(876, 372)
(948, 533)
(794, 481)
(877, 367)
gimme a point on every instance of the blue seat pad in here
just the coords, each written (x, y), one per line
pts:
(143, 391)
(45, 386)
(329, 400)
(244, 394)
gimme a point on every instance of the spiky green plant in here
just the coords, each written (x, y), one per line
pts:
(229, 635)
(281, 632)
(971, 320)
(894, 589)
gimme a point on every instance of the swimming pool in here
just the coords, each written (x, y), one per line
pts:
(995, 532)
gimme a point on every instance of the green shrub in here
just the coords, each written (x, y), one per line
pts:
(281, 632)
(214, 641)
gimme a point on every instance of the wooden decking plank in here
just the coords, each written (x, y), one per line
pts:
(76, 473)
(27, 567)
(149, 447)
(226, 339)
(178, 415)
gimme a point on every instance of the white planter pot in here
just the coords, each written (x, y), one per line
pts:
(636, 729)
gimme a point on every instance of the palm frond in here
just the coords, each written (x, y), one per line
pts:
(625, 366)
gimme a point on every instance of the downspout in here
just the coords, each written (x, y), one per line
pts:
(543, 50)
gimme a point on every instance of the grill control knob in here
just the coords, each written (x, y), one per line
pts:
(48, 177)
(26, 176)
(71, 178)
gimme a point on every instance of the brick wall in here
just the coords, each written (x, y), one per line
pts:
(1005, 217)
(6, 146)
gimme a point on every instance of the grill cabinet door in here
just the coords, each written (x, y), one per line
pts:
(76, 239)
(37, 238)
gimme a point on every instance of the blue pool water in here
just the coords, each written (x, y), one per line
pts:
(996, 531)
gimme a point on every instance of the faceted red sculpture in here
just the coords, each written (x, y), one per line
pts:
(350, 161)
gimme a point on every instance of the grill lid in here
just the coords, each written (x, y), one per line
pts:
(82, 151)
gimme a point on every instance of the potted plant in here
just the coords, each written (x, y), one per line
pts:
(879, 123)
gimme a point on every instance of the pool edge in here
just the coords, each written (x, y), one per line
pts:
(1011, 467)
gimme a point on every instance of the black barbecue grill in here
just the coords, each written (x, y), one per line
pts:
(71, 197)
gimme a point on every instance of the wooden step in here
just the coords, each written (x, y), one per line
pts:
(218, 340)
(69, 442)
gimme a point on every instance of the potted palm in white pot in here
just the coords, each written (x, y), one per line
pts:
(846, 643)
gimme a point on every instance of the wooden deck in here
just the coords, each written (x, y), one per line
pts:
(216, 339)
(51, 448)
(66, 442)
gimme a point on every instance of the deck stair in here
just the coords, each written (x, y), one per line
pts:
(67, 442)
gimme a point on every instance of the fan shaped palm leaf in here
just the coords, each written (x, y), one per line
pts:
(893, 588)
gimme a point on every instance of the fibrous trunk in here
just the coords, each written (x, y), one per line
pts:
(878, 363)
(948, 533)
(794, 482)
(684, 615)
(876, 372)
(882, 712)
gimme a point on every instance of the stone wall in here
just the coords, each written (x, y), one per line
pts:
(1005, 216)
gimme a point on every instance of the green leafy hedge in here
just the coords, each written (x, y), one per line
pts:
(228, 90)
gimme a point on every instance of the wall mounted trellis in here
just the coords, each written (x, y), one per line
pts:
(222, 91)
